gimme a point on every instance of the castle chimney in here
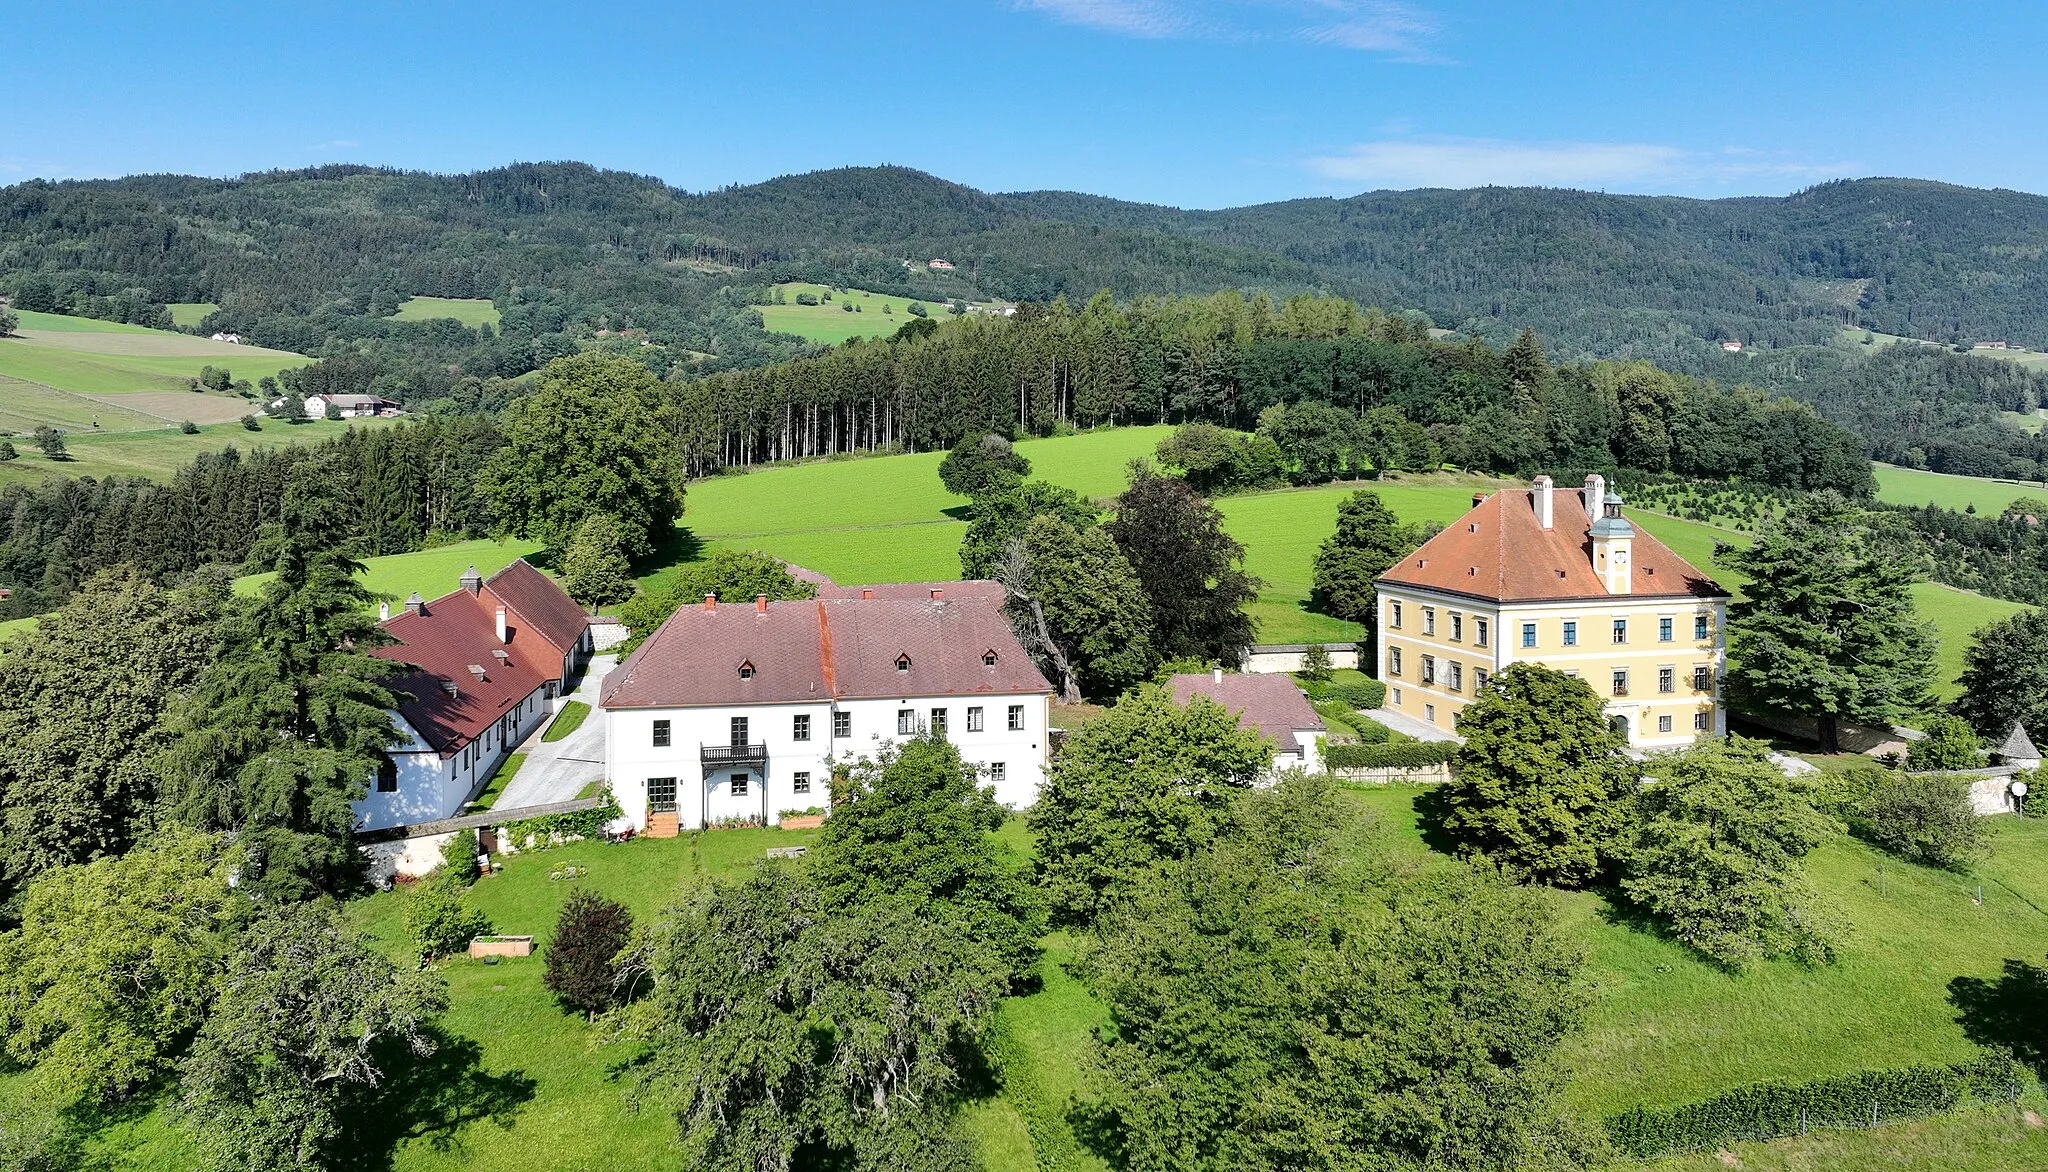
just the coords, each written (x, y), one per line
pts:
(472, 581)
(383, 611)
(1478, 499)
(1218, 676)
(1596, 495)
(501, 625)
(867, 593)
(414, 604)
(710, 602)
(1543, 487)
(760, 604)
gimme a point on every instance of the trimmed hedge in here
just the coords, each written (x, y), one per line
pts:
(1359, 693)
(1770, 1110)
(1400, 755)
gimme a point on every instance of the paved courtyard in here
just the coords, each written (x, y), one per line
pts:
(556, 771)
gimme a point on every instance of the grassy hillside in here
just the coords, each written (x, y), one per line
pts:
(158, 454)
(1911, 486)
(430, 572)
(188, 314)
(470, 311)
(875, 315)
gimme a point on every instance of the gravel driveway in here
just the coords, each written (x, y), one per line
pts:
(556, 771)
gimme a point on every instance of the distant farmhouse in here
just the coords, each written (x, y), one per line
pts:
(936, 263)
(2000, 345)
(1562, 579)
(490, 658)
(1732, 346)
(738, 712)
(347, 406)
(232, 339)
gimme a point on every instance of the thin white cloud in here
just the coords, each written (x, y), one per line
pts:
(1386, 27)
(335, 144)
(1480, 162)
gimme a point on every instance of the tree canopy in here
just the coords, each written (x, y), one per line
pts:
(1191, 571)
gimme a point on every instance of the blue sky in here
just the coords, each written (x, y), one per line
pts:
(1198, 103)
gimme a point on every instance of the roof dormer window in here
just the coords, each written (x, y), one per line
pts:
(747, 670)
(903, 662)
(988, 658)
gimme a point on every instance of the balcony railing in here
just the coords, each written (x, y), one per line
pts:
(734, 756)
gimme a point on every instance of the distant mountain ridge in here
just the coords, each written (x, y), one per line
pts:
(1597, 275)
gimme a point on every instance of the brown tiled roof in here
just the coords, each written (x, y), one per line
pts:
(544, 607)
(978, 588)
(1271, 704)
(1497, 551)
(450, 634)
(836, 648)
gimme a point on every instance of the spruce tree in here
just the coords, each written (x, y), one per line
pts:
(284, 731)
(1826, 626)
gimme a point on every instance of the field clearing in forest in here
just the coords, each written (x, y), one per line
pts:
(470, 311)
(876, 315)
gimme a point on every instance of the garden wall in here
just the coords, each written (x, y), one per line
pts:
(1280, 658)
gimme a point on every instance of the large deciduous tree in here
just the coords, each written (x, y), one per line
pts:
(1826, 625)
(1540, 784)
(1145, 781)
(1078, 607)
(305, 1013)
(1001, 515)
(730, 575)
(1717, 855)
(1286, 997)
(982, 462)
(1192, 571)
(2005, 676)
(913, 826)
(84, 712)
(596, 436)
(595, 571)
(284, 731)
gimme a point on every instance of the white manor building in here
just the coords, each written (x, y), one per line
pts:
(733, 713)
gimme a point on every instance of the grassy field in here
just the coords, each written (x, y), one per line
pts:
(1911, 486)
(86, 356)
(160, 453)
(470, 311)
(188, 314)
(430, 572)
(878, 314)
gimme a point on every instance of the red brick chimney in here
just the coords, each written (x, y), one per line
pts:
(710, 602)
(760, 604)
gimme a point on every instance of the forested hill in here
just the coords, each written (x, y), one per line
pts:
(288, 255)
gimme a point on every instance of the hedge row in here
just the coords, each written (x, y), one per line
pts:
(1770, 1110)
(1365, 693)
(1399, 755)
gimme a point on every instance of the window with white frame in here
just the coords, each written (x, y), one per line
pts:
(938, 725)
(1429, 713)
(842, 724)
(1620, 681)
(800, 781)
(1457, 627)
(800, 727)
(1394, 615)
(1455, 676)
(1702, 721)
(1393, 661)
(906, 722)
(1429, 669)
(1479, 678)
(974, 718)
(661, 734)
(1571, 633)
(997, 771)
(1664, 629)
(1702, 677)
(1528, 634)
(1664, 724)
(739, 785)
(1699, 627)
(1621, 630)
(1667, 679)
(1429, 620)
(1016, 718)
(1482, 631)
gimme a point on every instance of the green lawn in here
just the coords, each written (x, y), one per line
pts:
(188, 314)
(85, 356)
(430, 572)
(879, 313)
(1910, 486)
(488, 797)
(158, 454)
(568, 720)
(470, 311)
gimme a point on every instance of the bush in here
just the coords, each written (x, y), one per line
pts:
(251, 423)
(440, 921)
(807, 299)
(7, 451)
(1949, 744)
(541, 832)
(1315, 663)
(1401, 755)
(1923, 817)
(458, 859)
(188, 427)
(581, 968)
(1360, 693)
(1769, 1110)
(1371, 732)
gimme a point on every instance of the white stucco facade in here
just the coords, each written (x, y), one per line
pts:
(425, 786)
(792, 747)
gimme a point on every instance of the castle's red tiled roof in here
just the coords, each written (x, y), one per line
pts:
(1268, 704)
(823, 649)
(1499, 552)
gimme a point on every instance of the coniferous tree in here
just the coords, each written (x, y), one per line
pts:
(1826, 625)
(582, 956)
(595, 571)
(285, 730)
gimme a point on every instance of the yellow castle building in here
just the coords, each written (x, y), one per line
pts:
(1559, 578)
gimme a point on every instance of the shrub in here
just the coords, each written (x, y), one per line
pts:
(188, 427)
(7, 451)
(1401, 755)
(1924, 817)
(251, 423)
(581, 957)
(1769, 1110)
(440, 921)
(807, 299)
(544, 831)
(1949, 744)
(1370, 732)
(1360, 693)
(458, 859)
(1315, 663)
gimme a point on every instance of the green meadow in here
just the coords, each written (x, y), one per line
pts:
(1911, 486)
(879, 313)
(470, 311)
(427, 572)
(1662, 1027)
(187, 315)
(158, 454)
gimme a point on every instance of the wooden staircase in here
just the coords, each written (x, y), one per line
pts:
(663, 825)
